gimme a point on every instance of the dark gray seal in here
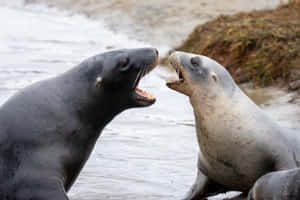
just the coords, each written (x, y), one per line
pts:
(238, 142)
(280, 185)
(48, 130)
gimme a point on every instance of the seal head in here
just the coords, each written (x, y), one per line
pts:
(119, 72)
(198, 74)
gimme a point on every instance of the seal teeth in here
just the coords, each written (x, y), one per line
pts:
(144, 94)
(143, 71)
(179, 73)
(176, 67)
(142, 97)
(137, 79)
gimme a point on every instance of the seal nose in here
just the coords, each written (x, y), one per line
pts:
(156, 56)
(156, 51)
(171, 52)
(174, 55)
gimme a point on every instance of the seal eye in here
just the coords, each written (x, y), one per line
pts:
(195, 61)
(214, 76)
(124, 64)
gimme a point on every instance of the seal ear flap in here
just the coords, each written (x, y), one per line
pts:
(98, 81)
(214, 76)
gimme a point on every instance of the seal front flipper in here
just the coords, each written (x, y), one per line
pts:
(199, 187)
(203, 186)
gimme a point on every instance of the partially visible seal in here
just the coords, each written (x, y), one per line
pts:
(238, 142)
(48, 130)
(280, 185)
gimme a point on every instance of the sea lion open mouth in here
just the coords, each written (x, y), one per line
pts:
(173, 62)
(143, 97)
(178, 81)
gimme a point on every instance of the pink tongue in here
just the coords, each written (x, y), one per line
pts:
(143, 93)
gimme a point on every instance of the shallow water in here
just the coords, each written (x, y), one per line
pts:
(159, 21)
(147, 153)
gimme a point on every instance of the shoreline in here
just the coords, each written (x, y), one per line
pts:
(158, 22)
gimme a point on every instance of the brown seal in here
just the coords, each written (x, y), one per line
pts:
(238, 142)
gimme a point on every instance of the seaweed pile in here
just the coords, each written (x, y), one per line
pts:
(258, 46)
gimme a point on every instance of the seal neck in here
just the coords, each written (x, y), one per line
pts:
(98, 114)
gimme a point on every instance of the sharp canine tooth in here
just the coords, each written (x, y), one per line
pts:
(150, 96)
